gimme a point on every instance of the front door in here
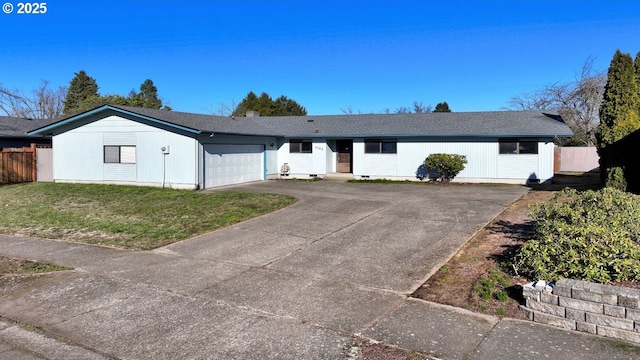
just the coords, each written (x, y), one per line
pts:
(345, 150)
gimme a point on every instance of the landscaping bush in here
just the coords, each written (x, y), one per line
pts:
(446, 166)
(591, 236)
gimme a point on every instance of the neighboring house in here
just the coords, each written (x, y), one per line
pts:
(13, 132)
(120, 144)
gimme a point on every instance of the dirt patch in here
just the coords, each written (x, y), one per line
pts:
(9, 265)
(475, 278)
(373, 350)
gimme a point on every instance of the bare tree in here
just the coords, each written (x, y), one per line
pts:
(224, 109)
(420, 108)
(536, 101)
(402, 110)
(578, 102)
(42, 103)
(349, 111)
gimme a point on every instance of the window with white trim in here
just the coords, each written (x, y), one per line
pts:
(119, 154)
(518, 146)
(372, 146)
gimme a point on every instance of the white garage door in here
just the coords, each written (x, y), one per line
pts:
(232, 164)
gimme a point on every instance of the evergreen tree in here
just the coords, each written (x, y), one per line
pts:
(82, 88)
(637, 66)
(619, 116)
(148, 96)
(442, 107)
(250, 102)
(266, 106)
(284, 106)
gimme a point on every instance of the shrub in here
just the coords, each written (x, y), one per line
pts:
(614, 178)
(446, 166)
(591, 236)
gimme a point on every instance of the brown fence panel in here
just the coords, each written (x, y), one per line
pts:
(17, 165)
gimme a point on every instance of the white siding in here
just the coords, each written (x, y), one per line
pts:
(78, 155)
(120, 172)
(484, 163)
(481, 155)
(518, 166)
(127, 170)
(528, 166)
(302, 164)
(546, 159)
(373, 164)
(332, 156)
(319, 157)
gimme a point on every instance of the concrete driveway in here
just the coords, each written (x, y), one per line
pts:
(298, 283)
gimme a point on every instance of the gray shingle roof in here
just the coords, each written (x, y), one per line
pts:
(498, 123)
(480, 124)
(18, 127)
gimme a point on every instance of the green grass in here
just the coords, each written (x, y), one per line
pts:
(492, 286)
(131, 217)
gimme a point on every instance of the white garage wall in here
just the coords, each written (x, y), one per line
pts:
(78, 156)
(178, 167)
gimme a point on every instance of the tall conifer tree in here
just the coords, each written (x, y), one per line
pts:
(82, 89)
(619, 116)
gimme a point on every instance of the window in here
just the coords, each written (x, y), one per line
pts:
(300, 146)
(511, 146)
(380, 146)
(118, 154)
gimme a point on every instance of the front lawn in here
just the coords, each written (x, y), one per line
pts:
(131, 217)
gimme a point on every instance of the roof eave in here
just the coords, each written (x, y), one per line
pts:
(45, 129)
(343, 136)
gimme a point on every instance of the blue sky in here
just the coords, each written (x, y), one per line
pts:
(327, 55)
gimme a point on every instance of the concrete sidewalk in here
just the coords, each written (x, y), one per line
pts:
(299, 283)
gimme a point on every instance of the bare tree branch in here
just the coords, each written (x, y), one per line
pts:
(42, 103)
(578, 102)
(225, 109)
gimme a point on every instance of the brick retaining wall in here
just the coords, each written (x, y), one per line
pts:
(605, 310)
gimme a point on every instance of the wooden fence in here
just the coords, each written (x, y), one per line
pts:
(18, 165)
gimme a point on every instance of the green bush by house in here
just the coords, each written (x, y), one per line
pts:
(446, 166)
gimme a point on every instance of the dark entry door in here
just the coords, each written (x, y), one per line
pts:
(345, 150)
